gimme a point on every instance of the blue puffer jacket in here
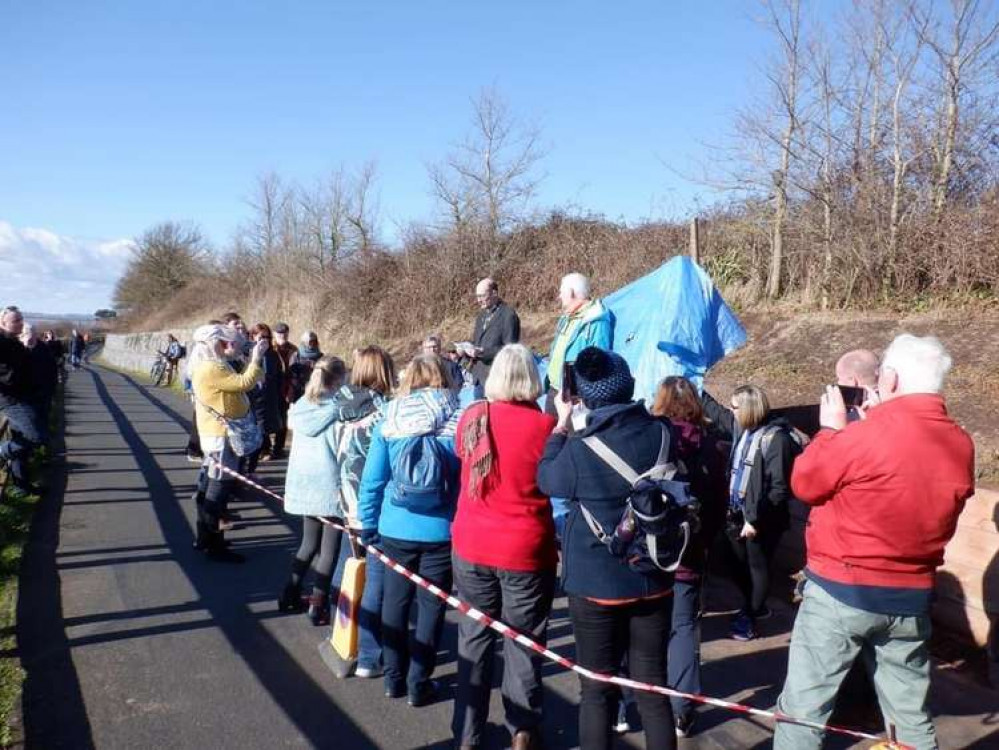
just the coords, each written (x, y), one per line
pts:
(422, 412)
(312, 486)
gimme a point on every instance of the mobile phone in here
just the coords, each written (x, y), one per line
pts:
(568, 383)
(853, 396)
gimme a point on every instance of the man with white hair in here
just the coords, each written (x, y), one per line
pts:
(496, 325)
(584, 322)
(886, 492)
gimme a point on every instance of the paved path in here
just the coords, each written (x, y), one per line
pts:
(132, 640)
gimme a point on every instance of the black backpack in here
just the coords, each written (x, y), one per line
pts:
(660, 517)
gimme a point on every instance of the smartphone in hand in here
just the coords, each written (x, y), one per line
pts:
(568, 383)
(853, 396)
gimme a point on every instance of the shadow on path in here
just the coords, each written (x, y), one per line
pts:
(52, 702)
(315, 715)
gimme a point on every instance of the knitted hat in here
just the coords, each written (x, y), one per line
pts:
(602, 378)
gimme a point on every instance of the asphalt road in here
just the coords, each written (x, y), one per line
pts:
(131, 639)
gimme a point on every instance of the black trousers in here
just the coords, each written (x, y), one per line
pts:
(281, 435)
(684, 664)
(749, 560)
(604, 635)
(194, 439)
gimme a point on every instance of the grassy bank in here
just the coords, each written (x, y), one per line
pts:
(16, 511)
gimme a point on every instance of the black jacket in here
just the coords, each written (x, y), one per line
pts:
(493, 330)
(706, 461)
(56, 348)
(267, 397)
(44, 376)
(769, 489)
(15, 371)
(571, 470)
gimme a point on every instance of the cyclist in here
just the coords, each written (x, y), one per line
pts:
(174, 353)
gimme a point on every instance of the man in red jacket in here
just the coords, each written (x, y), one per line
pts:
(886, 492)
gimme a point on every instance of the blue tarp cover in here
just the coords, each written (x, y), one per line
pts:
(672, 321)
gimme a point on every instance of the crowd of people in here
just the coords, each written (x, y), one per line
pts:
(31, 367)
(484, 475)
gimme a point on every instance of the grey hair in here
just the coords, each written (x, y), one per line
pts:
(578, 284)
(921, 363)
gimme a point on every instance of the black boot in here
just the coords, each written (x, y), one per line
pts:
(201, 536)
(319, 607)
(319, 602)
(218, 552)
(216, 548)
(291, 597)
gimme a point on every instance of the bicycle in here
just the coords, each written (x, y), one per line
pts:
(158, 372)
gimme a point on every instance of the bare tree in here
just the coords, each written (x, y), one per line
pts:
(362, 209)
(325, 210)
(903, 50)
(491, 176)
(268, 203)
(784, 17)
(963, 53)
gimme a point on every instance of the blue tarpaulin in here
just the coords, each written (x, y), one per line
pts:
(672, 321)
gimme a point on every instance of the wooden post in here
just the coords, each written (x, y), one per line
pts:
(695, 239)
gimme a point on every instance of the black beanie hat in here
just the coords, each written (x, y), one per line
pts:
(602, 378)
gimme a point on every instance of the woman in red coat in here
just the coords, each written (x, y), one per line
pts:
(504, 547)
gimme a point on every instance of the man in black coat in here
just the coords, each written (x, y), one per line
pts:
(44, 378)
(15, 395)
(495, 326)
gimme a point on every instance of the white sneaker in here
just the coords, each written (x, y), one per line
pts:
(622, 727)
(368, 672)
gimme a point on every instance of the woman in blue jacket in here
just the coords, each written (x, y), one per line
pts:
(406, 503)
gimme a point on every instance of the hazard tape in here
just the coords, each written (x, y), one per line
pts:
(510, 633)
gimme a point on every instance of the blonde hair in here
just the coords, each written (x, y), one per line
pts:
(425, 371)
(513, 376)
(373, 368)
(327, 374)
(754, 406)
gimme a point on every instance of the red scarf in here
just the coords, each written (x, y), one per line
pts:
(477, 447)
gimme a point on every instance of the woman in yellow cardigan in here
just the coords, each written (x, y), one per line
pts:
(220, 394)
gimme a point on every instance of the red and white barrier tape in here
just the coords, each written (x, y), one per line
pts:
(510, 633)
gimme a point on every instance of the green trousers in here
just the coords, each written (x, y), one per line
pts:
(828, 637)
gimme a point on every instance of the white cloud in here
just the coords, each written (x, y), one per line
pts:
(41, 271)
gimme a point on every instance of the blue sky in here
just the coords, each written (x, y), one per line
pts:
(122, 114)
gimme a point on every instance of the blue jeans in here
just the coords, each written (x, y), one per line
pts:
(369, 618)
(24, 436)
(413, 660)
(827, 638)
